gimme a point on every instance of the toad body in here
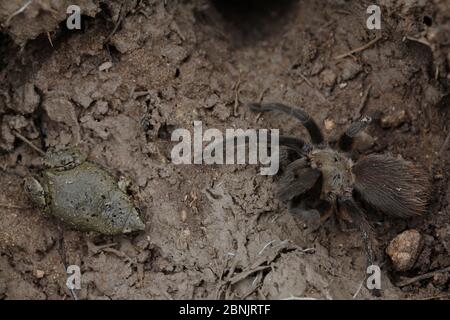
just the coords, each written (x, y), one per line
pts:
(82, 194)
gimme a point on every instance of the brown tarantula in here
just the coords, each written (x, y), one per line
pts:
(321, 180)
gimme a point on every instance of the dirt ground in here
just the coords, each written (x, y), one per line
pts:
(139, 69)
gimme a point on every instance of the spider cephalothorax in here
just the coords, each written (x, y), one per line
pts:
(321, 180)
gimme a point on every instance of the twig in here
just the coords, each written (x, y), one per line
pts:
(438, 296)
(421, 41)
(319, 94)
(17, 12)
(236, 95)
(422, 277)
(12, 206)
(362, 48)
(245, 296)
(266, 245)
(28, 142)
(245, 274)
(364, 99)
(118, 23)
(260, 99)
(359, 288)
(50, 39)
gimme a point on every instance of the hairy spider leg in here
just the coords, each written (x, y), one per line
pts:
(346, 139)
(348, 204)
(298, 145)
(297, 179)
(308, 122)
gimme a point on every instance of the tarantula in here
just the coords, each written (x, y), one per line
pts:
(321, 181)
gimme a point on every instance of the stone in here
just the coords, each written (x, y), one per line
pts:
(404, 249)
(394, 119)
(39, 274)
(329, 124)
(26, 99)
(328, 77)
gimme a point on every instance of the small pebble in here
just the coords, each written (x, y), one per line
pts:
(102, 107)
(211, 101)
(440, 279)
(363, 142)
(329, 124)
(404, 249)
(39, 274)
(105, 66)
(328, 77)
(183, 215)
(394, 119)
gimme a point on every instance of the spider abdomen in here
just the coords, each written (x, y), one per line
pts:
(394, 186)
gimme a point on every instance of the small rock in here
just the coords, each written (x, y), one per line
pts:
(329, 124)
(394, 119)
(186, 233)
(328, 77)
(105, 66)
(404, 249)
(39, 274)
(440, 279)
(363, 141)
(183, 215)
(432, 95)
(350, 70)
(102, 107)
(316, 68)
(124, 183)
(175, 54)
(211, 101)
(83, 93)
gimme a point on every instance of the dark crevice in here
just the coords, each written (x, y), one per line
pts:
(6, 46)
(427, 20)
(254, 19)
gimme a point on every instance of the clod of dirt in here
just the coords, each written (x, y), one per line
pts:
(404, 249)
(394, 120)
(440, 279)
(10, 123)
(363, 142)
(39, 274)
(25, 20)
(26, 99)
(350, 70)
(328, 77)
(105, 66)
